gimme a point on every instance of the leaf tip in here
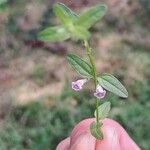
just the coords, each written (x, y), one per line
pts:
(125, 95)
(104, 7)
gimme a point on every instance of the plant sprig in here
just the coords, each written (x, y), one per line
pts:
(76, 27)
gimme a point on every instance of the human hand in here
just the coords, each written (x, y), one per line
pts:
(115, 138)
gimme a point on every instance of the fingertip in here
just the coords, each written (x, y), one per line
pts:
(64, 145)
(116, 137)
(84, 141)
(81, 138)
(80, 128)
(110, 140)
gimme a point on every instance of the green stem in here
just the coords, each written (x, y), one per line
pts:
(91, 59)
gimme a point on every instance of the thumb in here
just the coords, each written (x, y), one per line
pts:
(110, 140)
(81, 138)
(115, 137)
(64, 145)
(84, 141)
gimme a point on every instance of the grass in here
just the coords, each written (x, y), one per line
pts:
(38, 74)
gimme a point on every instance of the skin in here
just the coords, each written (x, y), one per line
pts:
(115, 138)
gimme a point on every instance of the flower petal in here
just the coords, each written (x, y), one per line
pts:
(77, 85)
(100, 92)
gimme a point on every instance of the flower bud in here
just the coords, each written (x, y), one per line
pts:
(77, 85)
(100, 92)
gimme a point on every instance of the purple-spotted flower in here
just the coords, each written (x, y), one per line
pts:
(100, 92)
(77, 85)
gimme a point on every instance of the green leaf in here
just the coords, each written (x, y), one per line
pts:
(79, 33)
(96, 130)
(54, 34)
(112, 84)
(81, 66)
(91, 16)
(64, 14)
(103, 110)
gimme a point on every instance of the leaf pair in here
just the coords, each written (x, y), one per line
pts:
(107, 81)
(73, 26)
(95, 128)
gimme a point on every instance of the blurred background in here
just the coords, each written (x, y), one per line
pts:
(37, 105)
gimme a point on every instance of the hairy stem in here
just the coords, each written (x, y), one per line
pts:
(91, 59)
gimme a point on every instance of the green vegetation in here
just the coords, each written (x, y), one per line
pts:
(36, 127)
(38, 74)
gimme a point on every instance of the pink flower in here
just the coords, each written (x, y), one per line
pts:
(100, 92)
(77, 85)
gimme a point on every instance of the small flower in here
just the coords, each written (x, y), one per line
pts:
(77, 85)
(100, 92)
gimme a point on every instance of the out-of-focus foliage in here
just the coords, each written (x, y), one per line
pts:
(36, 127)
(72, 24)
(3, 5)
(146, 5)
